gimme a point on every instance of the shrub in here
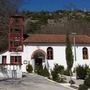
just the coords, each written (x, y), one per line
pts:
(81, 71)
(88, 72)
(67, 72)
(39, 70)
(83, 87)
(46, 72)
(57, 73)
(58, 68)
(29, 68)
(87, 81)
(61, 69)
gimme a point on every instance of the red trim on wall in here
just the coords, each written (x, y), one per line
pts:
(4, 58)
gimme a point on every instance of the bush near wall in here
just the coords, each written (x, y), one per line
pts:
(39, 70)
(58, 68)
(42, 71)
(87, 79)
(81, 71)
(46, 72)
(83, 87)
(29, 68)
(55, 75)
(86, 84)
(57, 72)
(67, 72)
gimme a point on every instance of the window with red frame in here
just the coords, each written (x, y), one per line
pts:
(4, 59)
(15, 60)
(49, 53)
(85, 53)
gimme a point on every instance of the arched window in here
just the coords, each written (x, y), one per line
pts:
(85, 53)
(49, 53)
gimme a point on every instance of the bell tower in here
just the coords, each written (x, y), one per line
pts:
(15, 33)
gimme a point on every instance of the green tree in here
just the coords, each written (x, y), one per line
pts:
(69, 54)
(32, 27)
(7, 8)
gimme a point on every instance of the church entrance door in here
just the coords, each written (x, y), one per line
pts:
(39, 59)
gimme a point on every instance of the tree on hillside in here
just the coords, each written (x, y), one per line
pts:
(69, 54)
(7, 8)
(31, 27)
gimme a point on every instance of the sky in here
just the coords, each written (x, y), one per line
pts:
(53, 5)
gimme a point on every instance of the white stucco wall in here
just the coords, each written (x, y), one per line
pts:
(79, 56)
(8, 70)
(58, 52)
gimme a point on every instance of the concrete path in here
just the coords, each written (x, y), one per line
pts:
(31, 82)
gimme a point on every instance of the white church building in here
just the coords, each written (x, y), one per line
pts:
(45, 49)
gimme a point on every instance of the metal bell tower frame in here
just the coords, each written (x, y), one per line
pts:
(15, 34)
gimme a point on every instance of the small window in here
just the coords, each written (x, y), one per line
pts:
(85, 53)
(4, 59)
(15, 60)
(49, 53)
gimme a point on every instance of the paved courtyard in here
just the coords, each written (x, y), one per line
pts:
(31, 82)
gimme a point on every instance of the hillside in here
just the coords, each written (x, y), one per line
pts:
(57, 22)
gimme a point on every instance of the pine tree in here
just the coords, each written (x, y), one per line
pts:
(69, 54)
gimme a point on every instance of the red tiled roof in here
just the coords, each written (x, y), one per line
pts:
(54, 38)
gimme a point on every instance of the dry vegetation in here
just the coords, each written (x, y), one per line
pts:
(43, 22)
(58, 22)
